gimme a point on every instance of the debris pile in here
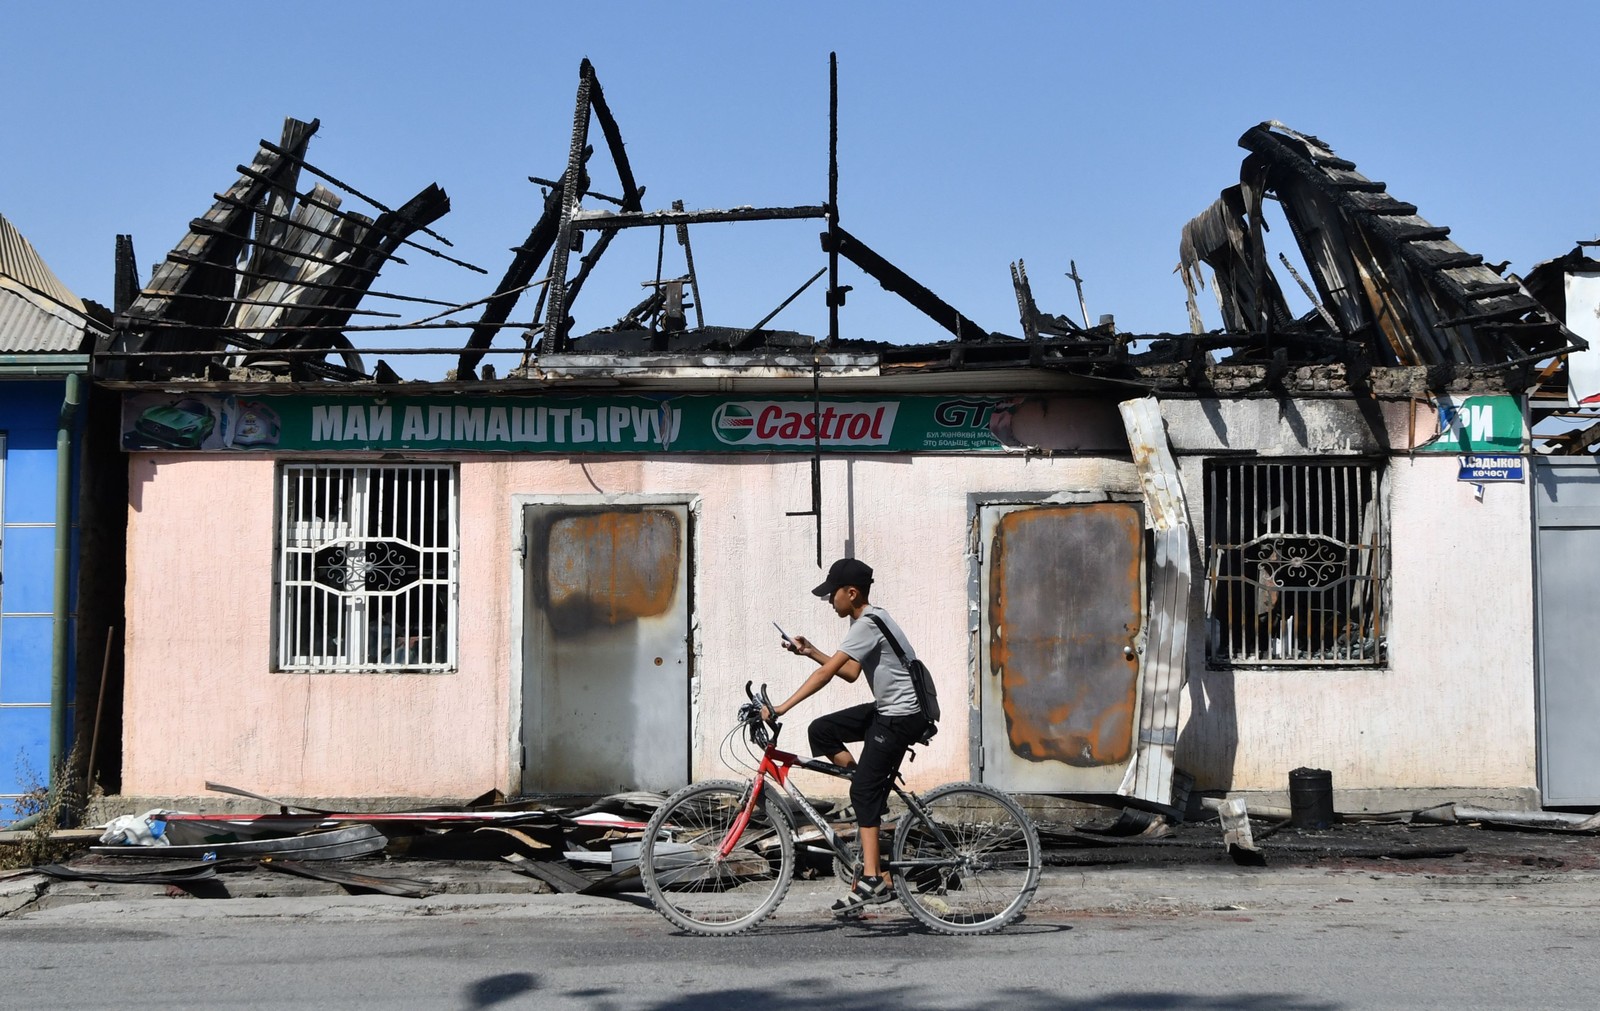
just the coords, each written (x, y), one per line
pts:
(592, 847)
(572, 846)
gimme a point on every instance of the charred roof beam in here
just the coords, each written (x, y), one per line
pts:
(202, 263)
(606, 220)
(897, 281)
(378, 244)
(1445, 271)
(524, 261)
(632, 192)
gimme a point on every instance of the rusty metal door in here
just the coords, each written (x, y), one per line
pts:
(605, 699)
(1062, 598)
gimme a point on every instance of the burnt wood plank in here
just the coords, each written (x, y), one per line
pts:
(895, 280)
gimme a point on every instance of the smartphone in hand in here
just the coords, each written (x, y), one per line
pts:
(783, 633)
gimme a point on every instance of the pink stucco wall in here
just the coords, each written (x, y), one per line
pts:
(1454, 708)
(202, 702)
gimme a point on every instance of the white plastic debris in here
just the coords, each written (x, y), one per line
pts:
(148, 829)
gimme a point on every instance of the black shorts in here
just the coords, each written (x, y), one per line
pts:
(884, 743)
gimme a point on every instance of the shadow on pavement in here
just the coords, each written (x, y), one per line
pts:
(491, 990)
(1012, 1000)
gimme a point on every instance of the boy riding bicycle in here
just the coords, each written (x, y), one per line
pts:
(886, 726)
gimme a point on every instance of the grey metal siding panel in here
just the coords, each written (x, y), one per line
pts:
(1567, 511)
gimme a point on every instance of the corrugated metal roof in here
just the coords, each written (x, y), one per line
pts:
(31, 322)
(37, 312)
(20, 262)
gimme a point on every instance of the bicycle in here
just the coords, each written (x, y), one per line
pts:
(717, 859)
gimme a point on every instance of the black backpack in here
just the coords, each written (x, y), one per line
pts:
(921, 681)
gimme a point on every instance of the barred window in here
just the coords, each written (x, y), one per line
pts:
(366, 567)
(1297, 563)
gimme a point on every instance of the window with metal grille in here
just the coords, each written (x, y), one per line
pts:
(366, 567)
(1297, 563)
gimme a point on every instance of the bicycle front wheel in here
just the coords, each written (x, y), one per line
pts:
(971, 865)
(689, 879)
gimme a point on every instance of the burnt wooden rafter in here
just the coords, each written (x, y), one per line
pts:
(374, 247)
(608, 220)
(895, 280)
(632, 192)
(556, 290)
(400, 215)
(202, 262)
(525, 259)
(1382, 278)
(271, 268)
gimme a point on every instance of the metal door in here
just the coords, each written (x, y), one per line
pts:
(1062, 598)
(1566, 499)
(605, 701)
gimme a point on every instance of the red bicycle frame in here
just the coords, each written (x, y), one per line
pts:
(774, 763)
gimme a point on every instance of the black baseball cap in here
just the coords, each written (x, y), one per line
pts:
(845, 572)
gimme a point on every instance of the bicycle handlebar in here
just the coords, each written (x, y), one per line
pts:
(759, 701)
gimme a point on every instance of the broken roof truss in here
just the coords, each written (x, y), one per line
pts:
(271, 271)
(1389, 286)
(273, 275)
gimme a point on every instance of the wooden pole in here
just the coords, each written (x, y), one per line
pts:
(99, 707)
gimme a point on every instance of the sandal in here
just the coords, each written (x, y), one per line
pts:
(866, 892)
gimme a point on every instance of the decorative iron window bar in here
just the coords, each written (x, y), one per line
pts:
(1297, 564)
(367, 567)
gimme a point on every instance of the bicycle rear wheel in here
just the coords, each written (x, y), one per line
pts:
(689, 880)
(978, 871)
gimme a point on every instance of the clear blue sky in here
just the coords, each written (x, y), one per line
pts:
(970, 136)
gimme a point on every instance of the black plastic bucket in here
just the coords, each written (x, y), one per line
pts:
(1310, 798)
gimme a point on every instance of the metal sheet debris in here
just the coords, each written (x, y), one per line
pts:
(1163, 660)
(409, 888)
(334, 844)
(146, 875)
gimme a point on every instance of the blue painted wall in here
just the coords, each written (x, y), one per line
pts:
(29, 412)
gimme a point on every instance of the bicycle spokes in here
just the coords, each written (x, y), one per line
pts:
(968, 861)
(713, 863)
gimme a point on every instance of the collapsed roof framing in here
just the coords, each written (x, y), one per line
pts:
(286, 291)
(272, 270)
(661, 313)
(273, 275)
(1389, 285)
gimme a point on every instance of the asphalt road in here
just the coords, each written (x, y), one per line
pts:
(1298, 940)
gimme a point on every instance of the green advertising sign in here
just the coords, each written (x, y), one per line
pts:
(562, 424)
(1487, 424)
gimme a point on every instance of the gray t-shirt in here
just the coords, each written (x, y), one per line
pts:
(888, 677)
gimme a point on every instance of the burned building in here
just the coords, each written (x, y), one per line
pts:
(1225, 554)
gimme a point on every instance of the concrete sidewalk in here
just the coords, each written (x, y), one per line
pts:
(1063, 892)
(1186, 869)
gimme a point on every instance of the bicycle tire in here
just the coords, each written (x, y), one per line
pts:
(696, 888)
(991, 876)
